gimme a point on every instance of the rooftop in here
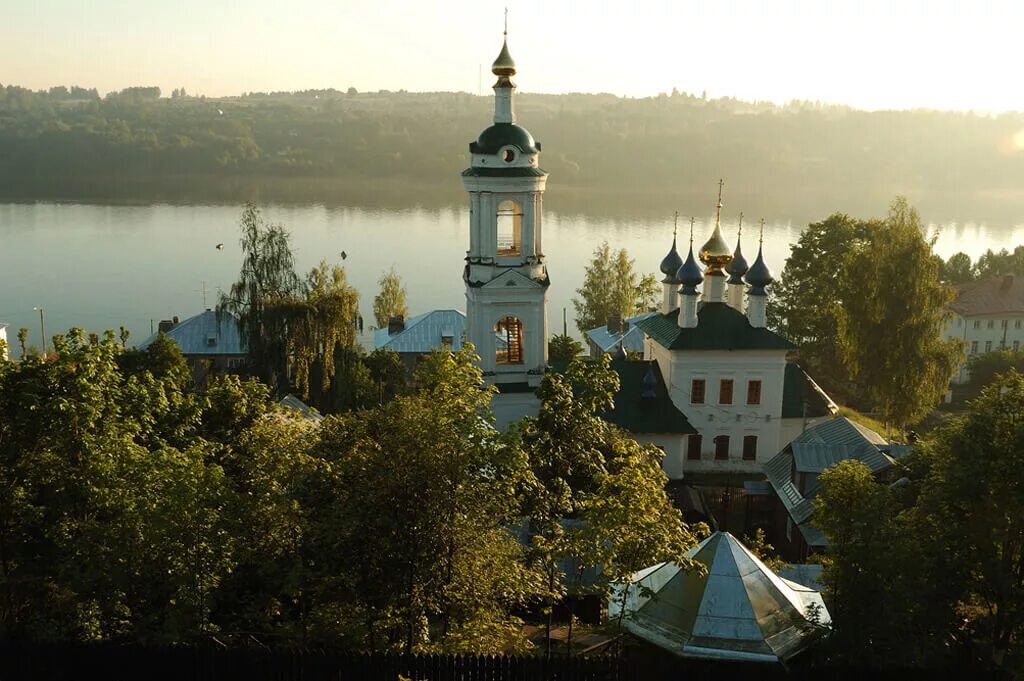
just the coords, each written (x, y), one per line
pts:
(802, 397)
(719, 327)
(738, 610)
(204, 334)
(424, 332)
(633, 339)
(995, 295)
(638, 414)
(813, 451)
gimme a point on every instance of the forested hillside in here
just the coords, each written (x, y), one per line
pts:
(64, 140)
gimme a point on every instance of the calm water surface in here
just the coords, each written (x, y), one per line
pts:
(102, 266)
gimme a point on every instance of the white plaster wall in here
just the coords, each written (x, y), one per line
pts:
(486, 306)
(712, 419)
(977, 329)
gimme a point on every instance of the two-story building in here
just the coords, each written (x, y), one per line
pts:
(987, 315)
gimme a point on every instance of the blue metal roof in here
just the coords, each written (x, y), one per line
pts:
(424, 332)
(633, 339)
(202, 335)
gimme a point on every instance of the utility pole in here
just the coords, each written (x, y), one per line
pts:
(42, 327)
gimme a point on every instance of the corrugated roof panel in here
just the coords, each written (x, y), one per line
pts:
(203, 335)
(811, 457)
(608, 341)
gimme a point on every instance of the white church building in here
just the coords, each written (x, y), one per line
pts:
(715, 390)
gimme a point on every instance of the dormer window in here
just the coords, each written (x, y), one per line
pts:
(211, 341)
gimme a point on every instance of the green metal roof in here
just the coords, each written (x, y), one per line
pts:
(503, 172)
(719, 327)
(638, 414)
(501, 135)
(797, 389)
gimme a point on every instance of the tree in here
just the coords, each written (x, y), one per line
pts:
(809, 294)
(390, 302)
(994, 264)
(422, 492)
(958, 269)
(266, 281)
(596, 489)
(986, 367)
(610, 288)
(891, 318)
(974, 492)
(291, 327)
(564, 348)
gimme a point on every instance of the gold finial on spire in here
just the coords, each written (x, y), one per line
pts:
(715, 252)
(503, 66)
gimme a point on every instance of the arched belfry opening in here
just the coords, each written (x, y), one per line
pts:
(509, 343)
(510, 228)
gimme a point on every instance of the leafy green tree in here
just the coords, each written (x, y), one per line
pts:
(611, 287)
(994, 264)
(592, 481)
(891, 318)
(292, 327)
(810, 292)
(266, 283)
(973, 494)
(564, 348)
(958, 269)
(390, 302)
(424, 490)
(986, 367)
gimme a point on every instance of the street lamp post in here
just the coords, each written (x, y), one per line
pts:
(42, 327)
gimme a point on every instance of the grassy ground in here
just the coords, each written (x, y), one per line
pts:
(863, 420)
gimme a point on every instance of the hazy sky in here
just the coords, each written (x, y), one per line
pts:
(892, 54)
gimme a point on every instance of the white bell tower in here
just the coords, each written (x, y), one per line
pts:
(505, 275)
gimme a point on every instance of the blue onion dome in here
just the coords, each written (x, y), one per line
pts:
(759, 276)
(738, 267)
(689, 275)
(621, 352)
(671, 264)
(650, 382)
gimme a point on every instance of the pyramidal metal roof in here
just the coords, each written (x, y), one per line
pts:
(205, 334)
(738, 610)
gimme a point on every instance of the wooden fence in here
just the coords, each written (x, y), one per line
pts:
(110, 662)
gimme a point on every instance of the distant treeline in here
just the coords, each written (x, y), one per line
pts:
(671, 144)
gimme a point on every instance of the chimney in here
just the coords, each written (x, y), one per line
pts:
(396, 325)
(615, 324)
(167, 324)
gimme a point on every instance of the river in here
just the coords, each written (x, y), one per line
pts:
(101, 266)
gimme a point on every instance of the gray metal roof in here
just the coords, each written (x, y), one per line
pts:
(633, 339)
(294, 403)
(424, 332)
(811, 457)
(738, 610)
(203, 335)
(813, 451)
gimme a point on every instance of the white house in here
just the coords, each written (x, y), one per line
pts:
(987, 315)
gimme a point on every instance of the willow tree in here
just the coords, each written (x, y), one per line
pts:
(289, 324)
(891, 317)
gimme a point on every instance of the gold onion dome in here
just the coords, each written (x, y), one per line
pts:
(715, 252)
(503, 65)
